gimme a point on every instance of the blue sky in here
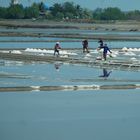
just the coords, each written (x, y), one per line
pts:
(124, 5)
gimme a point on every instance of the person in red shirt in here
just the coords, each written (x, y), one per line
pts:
(57, 48)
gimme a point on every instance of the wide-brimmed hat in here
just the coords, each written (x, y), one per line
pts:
(57, 43)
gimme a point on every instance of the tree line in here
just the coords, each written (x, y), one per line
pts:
(66, 11)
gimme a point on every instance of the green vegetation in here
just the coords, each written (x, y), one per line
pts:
(66, 11)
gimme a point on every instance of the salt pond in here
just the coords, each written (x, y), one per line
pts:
(14, 73)
(76, 115)
(70, 31)
(47, 42)
(66, 115)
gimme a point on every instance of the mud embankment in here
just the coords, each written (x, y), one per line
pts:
(125, 26)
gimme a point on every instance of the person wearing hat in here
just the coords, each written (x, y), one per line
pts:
(57, 48)
(101, 42)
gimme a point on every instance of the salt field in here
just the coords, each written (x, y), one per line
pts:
(73, 96)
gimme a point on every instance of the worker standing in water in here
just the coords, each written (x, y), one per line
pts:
(85, 46)
(57, 48)
(100, 42)
(105, 50)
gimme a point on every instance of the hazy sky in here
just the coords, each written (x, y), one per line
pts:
(124, 5)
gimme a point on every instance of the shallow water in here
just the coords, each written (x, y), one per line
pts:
(44, 42)
(76, 115)
(14, 73)
(68, 44)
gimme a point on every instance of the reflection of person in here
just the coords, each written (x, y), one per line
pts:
(57, 66)
(57, 48)
(85, 46)
(105, 50)
(105, 73)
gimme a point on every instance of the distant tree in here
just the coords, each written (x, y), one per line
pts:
(15, 11)
(32, 12)
(49, 15)
(79, 11)
(59, 15)
(42, 7)
(108, 14)
(112, 14)
(133, 15)
(69, 15)
(70, 11)
(86, 14)
(55, 9)
(3, 12)
(97, 13)
(68, 7)
(67, 10)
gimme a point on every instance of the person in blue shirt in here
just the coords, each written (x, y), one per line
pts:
(105, 50)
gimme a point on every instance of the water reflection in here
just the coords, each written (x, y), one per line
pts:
(57, 66)
(105, 73)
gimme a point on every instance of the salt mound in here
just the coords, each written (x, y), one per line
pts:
(124, 49)
(16, 52)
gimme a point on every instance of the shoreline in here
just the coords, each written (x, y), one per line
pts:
(69, 88)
